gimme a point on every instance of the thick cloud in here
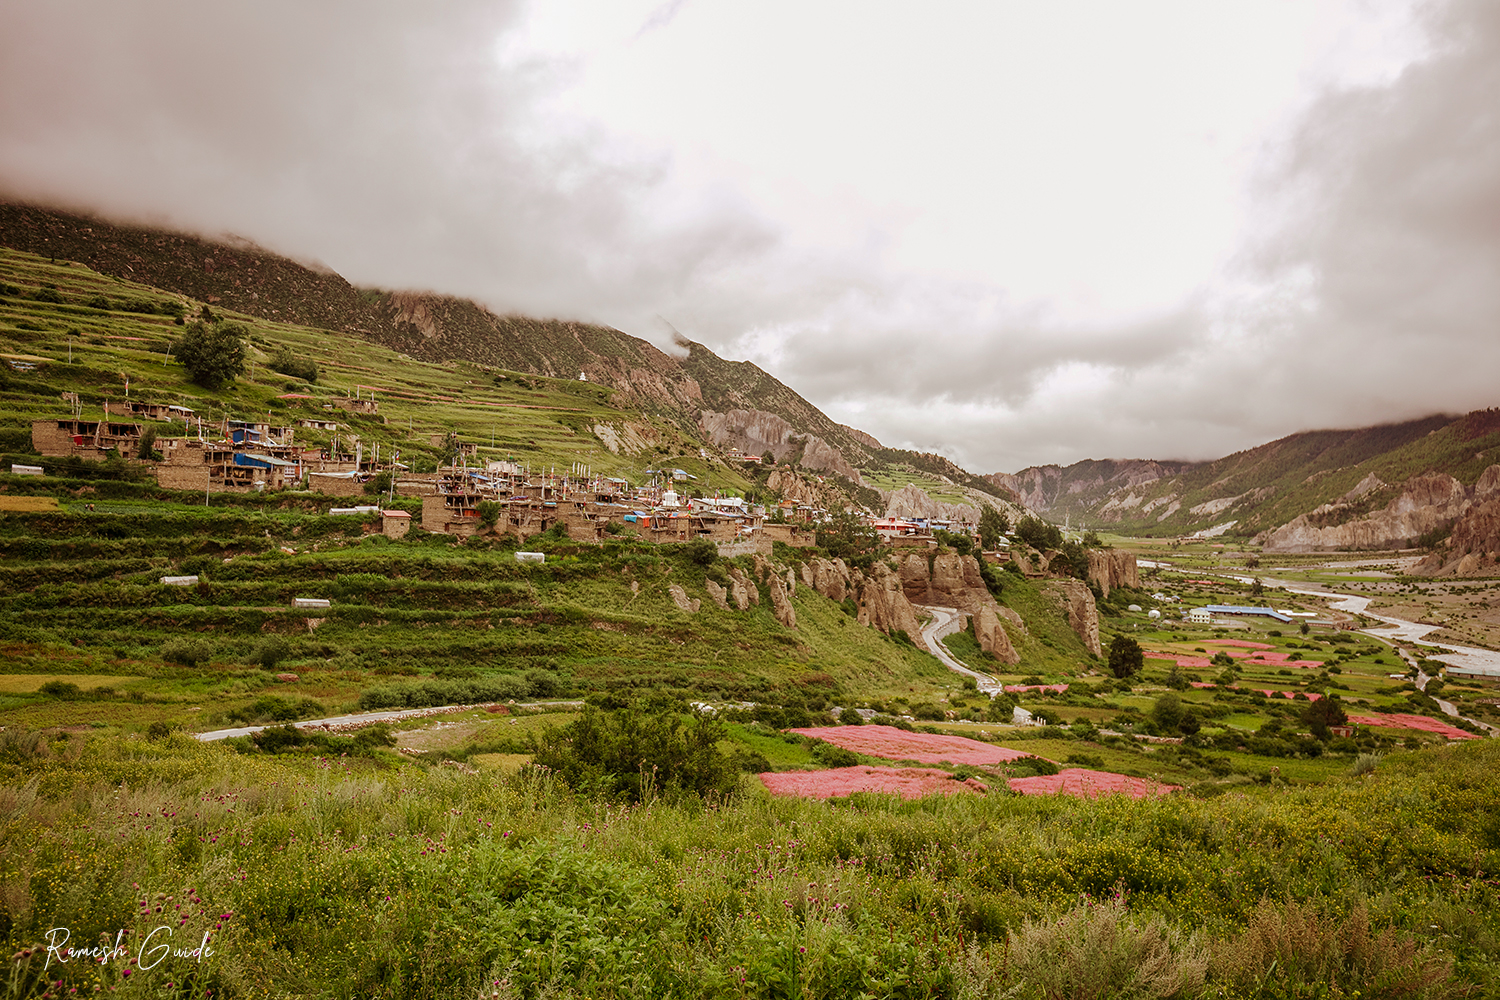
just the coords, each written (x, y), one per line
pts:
(411, 146)
(1371, 295)
(391, 140)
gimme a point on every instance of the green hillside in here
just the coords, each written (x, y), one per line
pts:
(102, 331)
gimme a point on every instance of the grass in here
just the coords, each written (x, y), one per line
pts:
(369, 877)
(28, 503)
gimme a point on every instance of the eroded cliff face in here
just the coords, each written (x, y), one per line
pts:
(755, 432)
(1425, 503)
(882, 602)
(1111, 568)
(1076, 600)
(802, 489)
(1474, 547)
(913, 501)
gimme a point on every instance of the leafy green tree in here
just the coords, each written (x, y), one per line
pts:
(1168, 712)
(992, 527)
(1077, 558)
(146, 447)
(846, 536)
(489, 512)
(962, 544)
(215, 354)
(290, 363)
(1038, 533)
(1321, 714)
(1126, 658)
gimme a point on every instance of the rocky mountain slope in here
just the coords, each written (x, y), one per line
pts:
(1331, 477)
(731, 404)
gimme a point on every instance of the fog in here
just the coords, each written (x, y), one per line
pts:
(1012, 235)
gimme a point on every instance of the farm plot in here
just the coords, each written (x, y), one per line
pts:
(898, 744)
(838, 782)
(1080, 782)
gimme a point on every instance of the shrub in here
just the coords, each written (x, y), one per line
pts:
(1291, 950)
(1100, 950)
(270, 651)
(62, 690)
(832, 756)
(186, 651)
(631, 753)
(287, 362)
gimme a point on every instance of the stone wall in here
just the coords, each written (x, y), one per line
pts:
(182, 477)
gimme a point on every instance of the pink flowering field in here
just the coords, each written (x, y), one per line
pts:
(1080, 782)
(897, 744)
(837, 782)
(1420, 723)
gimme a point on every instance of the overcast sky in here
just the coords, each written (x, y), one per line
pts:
(1014, 233)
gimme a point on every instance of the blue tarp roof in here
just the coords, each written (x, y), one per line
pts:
(259, 461)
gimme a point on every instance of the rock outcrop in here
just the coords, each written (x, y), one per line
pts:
(991, 634)
(913, 501)
(1425, 503)
(946, 579)
(1473, 549)
(755, 432)
(829, 577)
(1077, 602)
(742, 592)
(950, 580)
(717, 594)
(781, 602)
(800, 489)
(882, 602)
(1111, 568)
(681, 599)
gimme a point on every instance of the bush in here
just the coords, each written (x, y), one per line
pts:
(62, 690)
(833, 756)
(270, 651)
(1291, 950)
(1103, 951)
(186, 651)
(288, 363)
(630, 753)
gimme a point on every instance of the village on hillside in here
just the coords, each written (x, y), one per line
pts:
(465, 497)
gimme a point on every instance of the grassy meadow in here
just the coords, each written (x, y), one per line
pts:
(361, 877)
